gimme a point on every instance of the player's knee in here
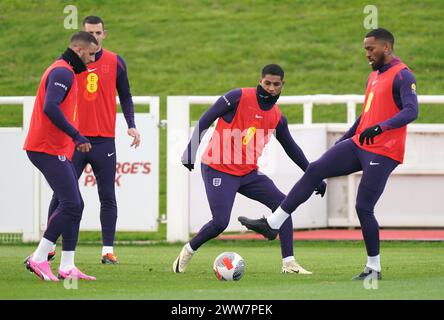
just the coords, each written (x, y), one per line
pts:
(220, 225)
(108, 199)
(277, 201)
(363, 210)
(54, 200)
(108, 204)
(74, 207)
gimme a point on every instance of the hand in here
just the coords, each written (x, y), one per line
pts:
(369, 134)
(186, 160)
(188, 164)
(321, 189)
(82, 143)
(84, 147)
(133, 132)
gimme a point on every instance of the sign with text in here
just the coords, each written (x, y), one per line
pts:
(136, 181)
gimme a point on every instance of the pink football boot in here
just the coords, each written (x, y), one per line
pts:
(74, 273)
(41, 269)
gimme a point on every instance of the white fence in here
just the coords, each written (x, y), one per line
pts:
(26, 195)
(401, 205)
(413, 195)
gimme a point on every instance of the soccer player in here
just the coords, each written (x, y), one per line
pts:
(97, 121)
(50, 144)
(374, 144)
(247, 118)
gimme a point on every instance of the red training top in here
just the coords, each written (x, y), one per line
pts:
(44, 135)
(378, 107)
(235, 147)
(97, 97)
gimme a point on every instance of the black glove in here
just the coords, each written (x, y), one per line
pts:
(321, 189)
(369, 135)
(189, 166)
(187, 160)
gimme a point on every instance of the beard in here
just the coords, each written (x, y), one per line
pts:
(377, 64)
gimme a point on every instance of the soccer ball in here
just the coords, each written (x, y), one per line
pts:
(229, 266)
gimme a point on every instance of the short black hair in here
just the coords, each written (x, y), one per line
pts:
(273, 69)
(83, 36)
(383, 34)
(93, 20)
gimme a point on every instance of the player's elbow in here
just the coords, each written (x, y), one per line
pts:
(49, 107)
(414, 113)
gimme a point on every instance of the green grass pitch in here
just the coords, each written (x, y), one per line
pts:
(194, 47)
(411, 270)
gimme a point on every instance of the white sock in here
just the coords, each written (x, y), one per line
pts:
(277, 219)
(288, 259)
(53, 249)
(374, 263)
(41, 253)
(190, 250)
(106, 250)
(67, 260)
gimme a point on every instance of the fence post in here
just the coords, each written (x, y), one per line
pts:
(178, 118)
(35, 235)
(351, 198)
(308, 112)
(351, 112)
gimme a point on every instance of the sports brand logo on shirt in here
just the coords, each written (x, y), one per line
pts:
(226, 101)
(217, 182)
(62, 158)
(58, 84)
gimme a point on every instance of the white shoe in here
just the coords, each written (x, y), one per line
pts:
(181, 262)
(294, 267)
